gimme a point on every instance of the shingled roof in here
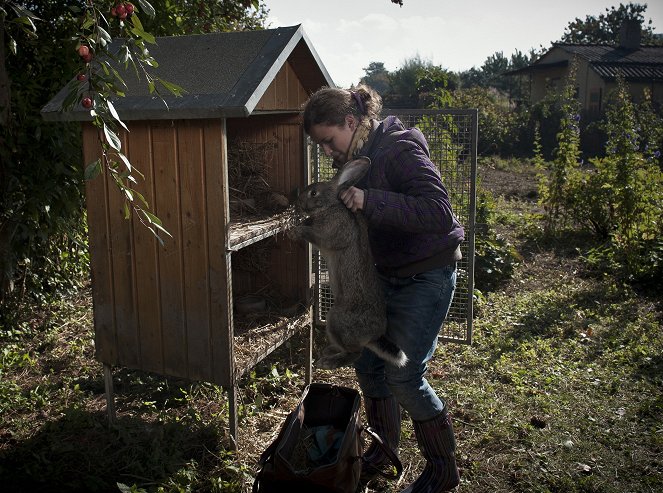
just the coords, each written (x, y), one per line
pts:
(642, 64)
(224, 75)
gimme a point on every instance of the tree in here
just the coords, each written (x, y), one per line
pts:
(42, 226)
(377, 77)
(177, 17)
(493, 69)
(412, 85)
(605, 27)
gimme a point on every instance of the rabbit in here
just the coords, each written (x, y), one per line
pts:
(357, 318)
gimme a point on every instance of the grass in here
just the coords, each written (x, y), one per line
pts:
(560, 392)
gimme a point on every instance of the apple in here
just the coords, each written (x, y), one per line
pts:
(81, 77)
(87, 103)
(129, 8)
(83, 51)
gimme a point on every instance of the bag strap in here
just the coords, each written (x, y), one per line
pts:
(393, 458)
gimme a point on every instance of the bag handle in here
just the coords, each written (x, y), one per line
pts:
(393, 458)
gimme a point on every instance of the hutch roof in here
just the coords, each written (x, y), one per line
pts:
(223, 74)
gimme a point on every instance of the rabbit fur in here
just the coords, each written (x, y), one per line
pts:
(357, 318)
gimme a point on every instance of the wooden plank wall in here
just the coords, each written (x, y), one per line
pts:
(285, 92)
(164, 308)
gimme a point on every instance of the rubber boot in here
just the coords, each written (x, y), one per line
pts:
(384, 416)
(438, 446)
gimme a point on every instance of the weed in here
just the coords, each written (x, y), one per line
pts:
(560, 391)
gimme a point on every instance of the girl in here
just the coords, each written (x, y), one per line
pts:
(414, 238)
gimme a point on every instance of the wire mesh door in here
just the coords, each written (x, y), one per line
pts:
(452, 139)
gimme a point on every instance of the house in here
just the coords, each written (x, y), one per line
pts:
(598, 66)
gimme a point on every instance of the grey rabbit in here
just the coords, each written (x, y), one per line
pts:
(357, 318)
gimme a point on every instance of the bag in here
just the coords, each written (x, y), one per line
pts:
(319, 446)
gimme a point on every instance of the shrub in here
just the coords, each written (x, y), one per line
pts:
(621, 195)
(495, 258)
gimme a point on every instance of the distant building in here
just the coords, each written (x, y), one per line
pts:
(598, 66)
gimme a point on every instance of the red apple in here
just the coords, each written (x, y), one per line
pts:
(81, 77)
(87, 58)
(83, 51)
(129, 7)
(113, 11)
(87, 103)
(121, 10)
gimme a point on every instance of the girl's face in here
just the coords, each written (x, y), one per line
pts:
(335, 139)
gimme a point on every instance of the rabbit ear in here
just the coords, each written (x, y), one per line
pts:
(351, 172)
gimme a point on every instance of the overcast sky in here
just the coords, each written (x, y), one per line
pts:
(459, 35)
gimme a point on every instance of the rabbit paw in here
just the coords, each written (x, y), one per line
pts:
(337, 360)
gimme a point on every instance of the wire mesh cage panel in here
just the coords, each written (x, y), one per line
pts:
(452, 140)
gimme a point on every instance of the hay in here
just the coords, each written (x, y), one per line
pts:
(248, 172)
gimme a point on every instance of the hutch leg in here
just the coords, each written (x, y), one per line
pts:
(110, 397)
(232, 412)
(309, 354)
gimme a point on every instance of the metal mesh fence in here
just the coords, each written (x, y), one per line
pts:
(452, 139)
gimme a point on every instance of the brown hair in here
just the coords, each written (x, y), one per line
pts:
(330, 105)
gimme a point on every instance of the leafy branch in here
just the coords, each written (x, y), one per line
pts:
(100, 81)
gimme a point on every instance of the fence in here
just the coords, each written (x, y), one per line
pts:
(452, 139)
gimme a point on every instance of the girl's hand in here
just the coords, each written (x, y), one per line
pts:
(353, 198)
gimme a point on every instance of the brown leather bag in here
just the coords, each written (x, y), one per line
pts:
(319, 446)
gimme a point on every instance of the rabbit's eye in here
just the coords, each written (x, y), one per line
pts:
(314, 193)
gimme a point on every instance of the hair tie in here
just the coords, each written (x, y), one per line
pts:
(360, 103)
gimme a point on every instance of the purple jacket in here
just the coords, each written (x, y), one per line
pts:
(407, 207)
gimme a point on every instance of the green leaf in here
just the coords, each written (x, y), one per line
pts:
(93, 169)
(89, 22)
(141, 197)
(118, 76)
(125, 160)
(113, 112)
(103, 34)
(112, 138)
(124, 55)
(173, 88)
(135, 20)
(155, 221)
(147, 8)
(143, 35)
(127, 211)
(22, 12)
(12, 45)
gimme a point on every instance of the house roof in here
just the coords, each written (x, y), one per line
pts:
(224, 75)
(645, 63)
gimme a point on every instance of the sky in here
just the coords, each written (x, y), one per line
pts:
(349, 34)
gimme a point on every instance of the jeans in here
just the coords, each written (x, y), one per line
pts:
(416, 309)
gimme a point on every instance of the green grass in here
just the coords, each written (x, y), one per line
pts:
(561, 392)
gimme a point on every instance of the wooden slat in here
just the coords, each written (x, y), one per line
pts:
(167, 183)
(122, 275)
(194, 247)
(99, 244)
(285, 93)
(220, 280)
(146, 255)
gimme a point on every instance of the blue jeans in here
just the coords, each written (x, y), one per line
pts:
(416, 309)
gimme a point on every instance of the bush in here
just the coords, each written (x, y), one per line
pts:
(620, 196)
(495, 258)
